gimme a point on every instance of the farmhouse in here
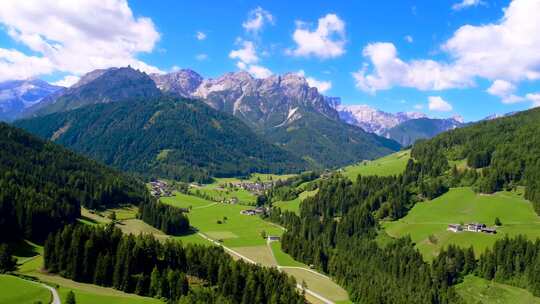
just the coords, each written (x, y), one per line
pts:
(272, 238)
(455, 228)
(258, 210)
(475, 227)
(160, 188)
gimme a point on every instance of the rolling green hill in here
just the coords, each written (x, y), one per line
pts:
(164, 137)
(426, 222)
(500, 153)
(393, 164)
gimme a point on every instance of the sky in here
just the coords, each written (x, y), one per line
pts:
(472, 58)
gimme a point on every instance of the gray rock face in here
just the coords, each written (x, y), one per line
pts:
(18, 95)
(262, 103)
(373, 120)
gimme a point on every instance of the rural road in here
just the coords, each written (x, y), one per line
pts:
(299, 286)
(56, 297)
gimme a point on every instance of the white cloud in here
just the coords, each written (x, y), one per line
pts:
(257, 18)
(67, 81)
(201, 57)
(508, 49)
(74, 37)
(436, 103)
(258, 71)
(248, 59)
(418, 106)
(505, 90)
(321, 85)
(389, 71)
(535, 98)
(246, 53)
(200, 35)
(327, 41)
(409, 39)
(467, 3)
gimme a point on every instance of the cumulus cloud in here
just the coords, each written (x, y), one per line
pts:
(321, 85)
(200, 35)
(248, 59)
(467, 3)
(436, 103)
(505, 90)
(67, 81)
(246, 53)
(389, 71)
(326, 41)
(508, 49)
(535, 98)
(74, 37)
(257, 18)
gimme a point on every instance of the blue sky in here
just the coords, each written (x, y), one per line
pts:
(457, 57)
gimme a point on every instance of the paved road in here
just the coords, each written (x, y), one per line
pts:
(299, 286)
(56, 297)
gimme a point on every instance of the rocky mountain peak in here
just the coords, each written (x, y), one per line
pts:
(183, 82)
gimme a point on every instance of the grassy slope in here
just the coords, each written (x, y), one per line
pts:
(475, 290)
(463, 205)
(16, 290)
(30, 258)
(237, 231)
(294, 205)
(389, 165)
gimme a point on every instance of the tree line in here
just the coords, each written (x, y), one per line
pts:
(500, 154)
(145, 266)
(168, 219)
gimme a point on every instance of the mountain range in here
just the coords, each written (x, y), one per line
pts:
(18, 95)
(403, 127)
(280, 111)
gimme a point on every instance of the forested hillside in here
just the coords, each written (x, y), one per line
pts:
(338, 228)
(500, 154)
(43, 185)
(164, 137)
(144, 266)
(329, 143)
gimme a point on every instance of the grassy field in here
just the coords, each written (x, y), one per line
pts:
(236, 230)
(16, 290)
(318, 284)
(392, 164)
(30, 261)
(462, 205)
(294, 205)
(282, 258)
(475, 290)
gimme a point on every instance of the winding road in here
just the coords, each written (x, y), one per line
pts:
(299, 286)
(56, 297)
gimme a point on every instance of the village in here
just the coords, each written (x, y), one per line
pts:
(472, 227)
(160, 188)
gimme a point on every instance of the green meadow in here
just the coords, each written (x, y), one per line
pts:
(392, 164)
(17, 290)
(294, 205)
(462, 205)
(475, 290)
(223, 222)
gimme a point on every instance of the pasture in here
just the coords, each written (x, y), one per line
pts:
(294, 205)
(475, 290)
(462, 205)
(223, 222)
(392, 164)
(17, 290)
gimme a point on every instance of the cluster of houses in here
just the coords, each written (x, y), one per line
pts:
(256, 211)
(256, 187)
(472, 227)
(160, 189)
